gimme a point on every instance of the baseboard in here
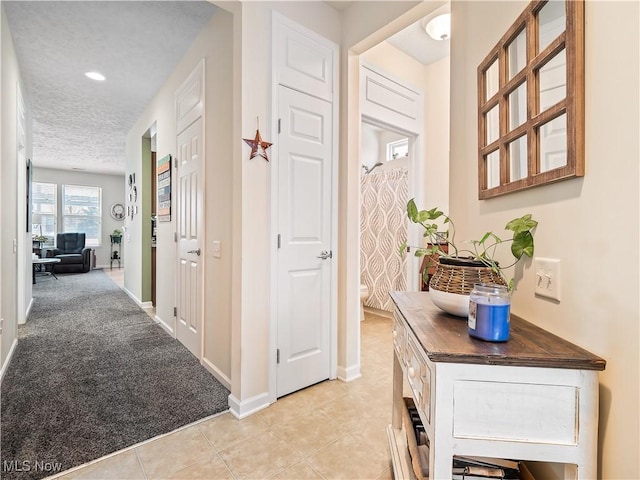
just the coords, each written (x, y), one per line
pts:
(26, 315)
(141, 304)
(132, 296)
(242, 409)
(164, 325)
(377, 311)
(349, 374)
(6, 363)
(215, 371)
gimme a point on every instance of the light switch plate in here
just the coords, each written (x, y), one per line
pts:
(548, 279)
(215, 249)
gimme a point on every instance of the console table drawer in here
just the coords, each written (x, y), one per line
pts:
(399, 338)
(520, 412)
(419, 377)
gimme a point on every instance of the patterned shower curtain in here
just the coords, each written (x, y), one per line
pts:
(383, 227)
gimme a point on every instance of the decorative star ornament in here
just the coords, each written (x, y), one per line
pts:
(258, 146)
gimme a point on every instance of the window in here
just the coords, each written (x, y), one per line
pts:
(397, 149)
(531, 101)
(43, 208)
(82, 212)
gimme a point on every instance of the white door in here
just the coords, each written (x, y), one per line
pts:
(304, 257)
(190, 220)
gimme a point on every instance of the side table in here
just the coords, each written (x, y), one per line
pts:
(43, 263)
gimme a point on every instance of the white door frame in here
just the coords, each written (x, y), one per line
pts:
(279, 22)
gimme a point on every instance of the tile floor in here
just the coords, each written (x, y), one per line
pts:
(333, 430)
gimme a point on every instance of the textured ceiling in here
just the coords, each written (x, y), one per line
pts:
(80, 123)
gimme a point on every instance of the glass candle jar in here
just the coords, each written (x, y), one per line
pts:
(489, 306)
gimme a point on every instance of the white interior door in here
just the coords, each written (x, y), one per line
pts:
(189, 308)
(304, 258)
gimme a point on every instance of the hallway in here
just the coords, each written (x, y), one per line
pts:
(332, 430)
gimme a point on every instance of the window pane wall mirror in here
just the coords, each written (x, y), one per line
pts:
(531, 101)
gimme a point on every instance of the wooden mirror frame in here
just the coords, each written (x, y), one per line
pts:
(572, 41)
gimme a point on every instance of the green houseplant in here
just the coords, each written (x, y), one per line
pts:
(481, 253)
(116, 236)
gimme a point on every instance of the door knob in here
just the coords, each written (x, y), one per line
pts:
(197, 252)
(324, 255)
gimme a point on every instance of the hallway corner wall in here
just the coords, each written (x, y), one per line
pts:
(13, 234)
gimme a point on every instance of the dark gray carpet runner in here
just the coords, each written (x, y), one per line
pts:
(93, 374)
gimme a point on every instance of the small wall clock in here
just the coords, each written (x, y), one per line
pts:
(118, 211)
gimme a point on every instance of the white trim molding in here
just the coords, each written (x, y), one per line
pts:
(26, 314)
(165, 326)
(217, 373)
(249, 406)
(349, 374)
(5, 366)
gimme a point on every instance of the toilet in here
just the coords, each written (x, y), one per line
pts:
(364, 294)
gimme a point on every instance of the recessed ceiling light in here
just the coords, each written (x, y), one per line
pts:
(95, 76)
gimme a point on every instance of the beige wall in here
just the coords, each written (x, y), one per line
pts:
(214, 44)
(12, 208)
(436, 137)
(113, 190)
(583, 222)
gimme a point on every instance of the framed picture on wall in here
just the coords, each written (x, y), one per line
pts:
(29, 182)
(163, 173)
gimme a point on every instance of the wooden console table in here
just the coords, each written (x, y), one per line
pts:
(534, 397)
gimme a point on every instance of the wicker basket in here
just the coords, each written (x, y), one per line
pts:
(460, 279)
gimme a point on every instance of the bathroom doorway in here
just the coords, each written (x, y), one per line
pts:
(385, 155)
(411, 70)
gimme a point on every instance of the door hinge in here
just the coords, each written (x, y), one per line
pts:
(175, 237)
(278, 356)
(279, 239)
(279, 125)
(175, 311)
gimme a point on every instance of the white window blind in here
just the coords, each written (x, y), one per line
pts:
(44, 211)
(82, 212)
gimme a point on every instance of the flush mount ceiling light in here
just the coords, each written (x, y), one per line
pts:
(95, 76)
(439, 28)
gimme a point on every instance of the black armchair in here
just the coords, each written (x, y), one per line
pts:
(73, 255)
